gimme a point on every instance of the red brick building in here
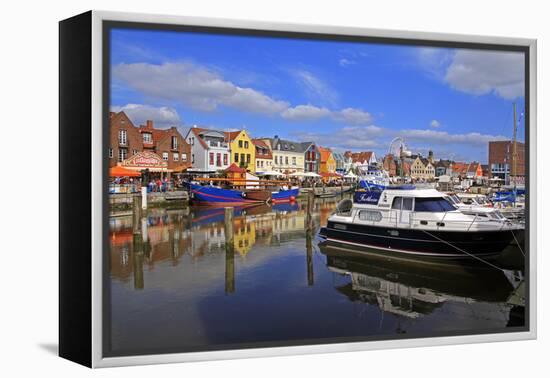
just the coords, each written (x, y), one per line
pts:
(390, 165)
(127, 140)
(500, 159)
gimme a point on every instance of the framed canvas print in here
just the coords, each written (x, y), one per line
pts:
(233, 189)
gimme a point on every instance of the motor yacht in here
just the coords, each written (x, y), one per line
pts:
(418, 222)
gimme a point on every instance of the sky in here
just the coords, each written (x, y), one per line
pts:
(342, 95)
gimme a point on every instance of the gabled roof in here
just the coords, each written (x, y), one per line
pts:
(325, 153)
(359, 157)
(286, 145)
(231, 135)
(234, 168)
(263, 145)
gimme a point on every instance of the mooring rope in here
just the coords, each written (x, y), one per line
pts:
(463, 251)
(517, 243)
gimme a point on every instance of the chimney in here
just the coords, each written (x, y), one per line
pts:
(149, 124)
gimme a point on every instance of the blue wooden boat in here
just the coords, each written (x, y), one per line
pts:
(212, 195)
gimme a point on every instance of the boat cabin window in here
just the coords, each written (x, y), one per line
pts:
(402, 203)
(370, 215)
(436, 204)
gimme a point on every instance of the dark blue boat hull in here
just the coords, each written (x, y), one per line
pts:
(414, 242)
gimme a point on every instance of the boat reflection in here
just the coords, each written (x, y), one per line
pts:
(413, 289)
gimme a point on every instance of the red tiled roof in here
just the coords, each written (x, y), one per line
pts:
(263, 145)
(234, 168)
(231, 135)
(197, 131)
(359, 157)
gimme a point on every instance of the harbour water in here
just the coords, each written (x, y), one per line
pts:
(174, 287)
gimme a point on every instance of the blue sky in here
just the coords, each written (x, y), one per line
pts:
(347, 96)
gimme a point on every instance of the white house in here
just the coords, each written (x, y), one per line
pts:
(209, 149)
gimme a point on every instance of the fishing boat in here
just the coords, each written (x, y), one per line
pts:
(416, 222)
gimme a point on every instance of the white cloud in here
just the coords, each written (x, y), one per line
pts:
(305, 113)
(476, 72)
(434, 137)
(139, 114)
(316, 90)
(194, 86)
(345, 138)
(483, 72)
(435, 123)
(343, 62)
(309, 112)
(203, 89)
(352, 116)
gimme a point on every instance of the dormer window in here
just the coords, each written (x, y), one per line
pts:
(147, 138)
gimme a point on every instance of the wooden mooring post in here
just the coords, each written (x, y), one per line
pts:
(229, 252)
(309, 210)
(136, 212)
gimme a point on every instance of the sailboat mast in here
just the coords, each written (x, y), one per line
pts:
(514, 147)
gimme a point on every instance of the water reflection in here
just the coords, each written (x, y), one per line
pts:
(176, 285)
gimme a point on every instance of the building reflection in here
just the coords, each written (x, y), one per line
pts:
(168, 235)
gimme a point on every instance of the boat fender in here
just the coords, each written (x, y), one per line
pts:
(243, 194)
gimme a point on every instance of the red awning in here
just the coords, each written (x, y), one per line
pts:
(234, 168)
(119, 171)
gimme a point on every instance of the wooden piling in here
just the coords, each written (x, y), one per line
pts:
(136, 212)
(309, 210)
(229, 252)
(309, 257)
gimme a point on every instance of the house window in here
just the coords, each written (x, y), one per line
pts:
(192, 158)
(165, 156)
(218, 159)
(174, 142)
(175, 156)
(224, 159)
(147, 138)
(184, 157)
(211, 158)
(110, 153)
(248, 158)
(236, 158)
(286, 160)
(240, 144)
(242, 158)
(134, 152)
(122, 154)
(293, 160)
(122, 137)
(245, 144)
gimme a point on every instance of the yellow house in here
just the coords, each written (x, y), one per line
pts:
(243, 151)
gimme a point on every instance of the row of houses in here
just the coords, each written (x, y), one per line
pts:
(421, 168)
(210, 150)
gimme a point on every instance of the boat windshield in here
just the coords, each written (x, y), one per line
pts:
(434, 205)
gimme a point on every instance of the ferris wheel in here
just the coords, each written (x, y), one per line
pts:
(398, 148)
